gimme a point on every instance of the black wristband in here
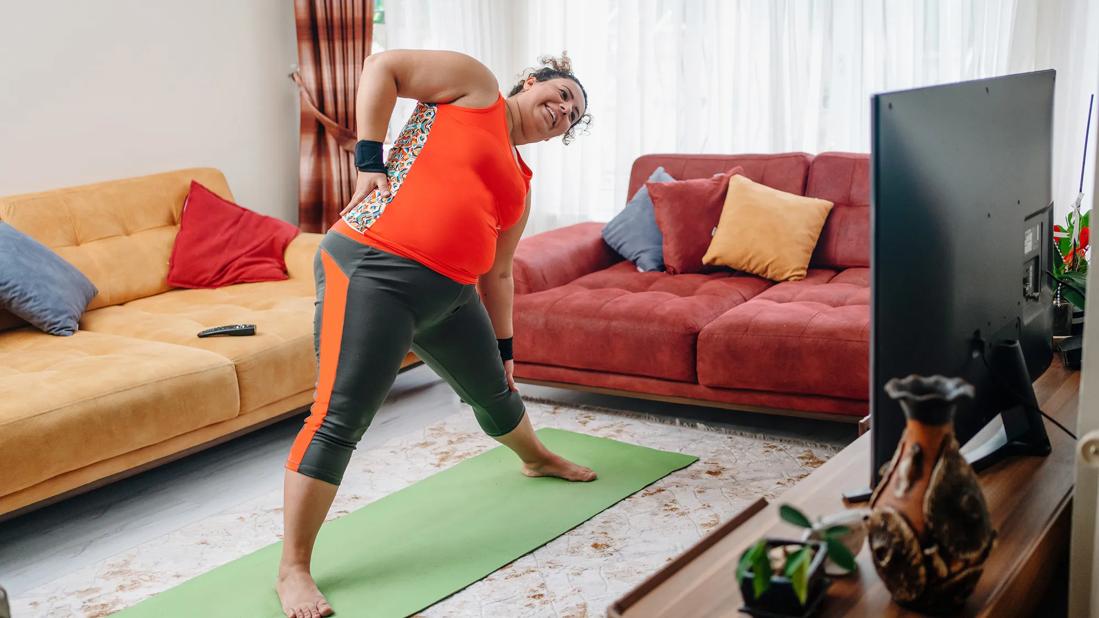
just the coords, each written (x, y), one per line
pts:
(368, 156)
(505, 348)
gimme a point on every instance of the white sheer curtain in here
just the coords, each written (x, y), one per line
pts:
(738, 76)
(484, 29)
(1064, 35)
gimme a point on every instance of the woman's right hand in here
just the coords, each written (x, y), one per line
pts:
(365, 183)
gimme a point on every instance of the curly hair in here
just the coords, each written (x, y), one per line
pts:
(552, 68)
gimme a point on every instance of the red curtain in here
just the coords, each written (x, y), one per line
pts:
(334, 37)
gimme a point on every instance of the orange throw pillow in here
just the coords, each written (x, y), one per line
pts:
(767, 232)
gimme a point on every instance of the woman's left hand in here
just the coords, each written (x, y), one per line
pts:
(509, 370)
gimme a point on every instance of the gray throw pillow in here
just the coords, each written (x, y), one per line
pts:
(40, 287)
(633, 233)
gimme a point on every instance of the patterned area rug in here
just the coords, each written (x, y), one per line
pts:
(578, 574)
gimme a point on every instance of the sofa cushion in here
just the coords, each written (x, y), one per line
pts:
(39, 286)
(67, 402)
(687, 211)
(556, 257)
(843, 179)
(785, 171)
(624, 321)
(633, 233)
(279, 361)
(128, 463)
(810, 336)
(118, 233)
(221, 243)
(766, 232)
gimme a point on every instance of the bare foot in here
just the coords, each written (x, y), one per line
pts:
(560, 467)
(300, 596)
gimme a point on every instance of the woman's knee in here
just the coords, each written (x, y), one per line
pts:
(500, 415)
(323, 447)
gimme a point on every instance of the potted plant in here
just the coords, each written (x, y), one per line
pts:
(1070, 270)
(782, 578)
(842, 533)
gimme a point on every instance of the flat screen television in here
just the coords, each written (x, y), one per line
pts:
(961, 220)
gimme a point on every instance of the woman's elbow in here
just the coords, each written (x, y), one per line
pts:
(372, 62)
(498, 275)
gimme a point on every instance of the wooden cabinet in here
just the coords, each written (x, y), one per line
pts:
(1029, 498)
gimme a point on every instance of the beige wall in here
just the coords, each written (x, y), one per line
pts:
(109, 89)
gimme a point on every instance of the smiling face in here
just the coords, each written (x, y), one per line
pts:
(546, 109)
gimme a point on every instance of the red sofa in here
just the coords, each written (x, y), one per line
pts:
(585, 318)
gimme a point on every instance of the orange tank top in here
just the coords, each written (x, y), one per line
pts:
(454, 185)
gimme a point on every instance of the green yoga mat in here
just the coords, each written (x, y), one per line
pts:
(410, 549)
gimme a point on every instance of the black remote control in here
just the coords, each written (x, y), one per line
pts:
(234, 330)
(858, 495)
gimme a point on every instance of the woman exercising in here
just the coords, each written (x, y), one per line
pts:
(401, 270)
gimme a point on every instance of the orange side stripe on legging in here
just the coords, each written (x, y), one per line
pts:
(335, 302)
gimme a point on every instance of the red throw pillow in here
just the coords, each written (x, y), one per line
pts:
(686, 213)
(220, 243)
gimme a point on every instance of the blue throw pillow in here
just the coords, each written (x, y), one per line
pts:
(633, 232)
(40, 287)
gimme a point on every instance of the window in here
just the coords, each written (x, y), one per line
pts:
(378, 43)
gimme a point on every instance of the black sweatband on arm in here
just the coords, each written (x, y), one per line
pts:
(505, 348)
(368, 156)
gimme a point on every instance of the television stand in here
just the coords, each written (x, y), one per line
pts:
(1034, 533)
(1018, 429)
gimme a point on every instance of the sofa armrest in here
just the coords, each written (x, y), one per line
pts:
(556, 257)
(300, 253)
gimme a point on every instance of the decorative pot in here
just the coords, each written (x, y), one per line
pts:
(1068, 320)
(1077, 321)
(1062, 318)
(929, 527)
(779, 599)
(855, 521)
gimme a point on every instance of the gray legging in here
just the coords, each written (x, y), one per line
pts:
(372, 307)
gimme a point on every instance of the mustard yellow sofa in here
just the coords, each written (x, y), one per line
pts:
(135, 387)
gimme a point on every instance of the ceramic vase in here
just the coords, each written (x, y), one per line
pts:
(929, 527)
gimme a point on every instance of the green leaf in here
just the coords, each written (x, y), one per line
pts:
(1074, 297)
(835, 531)
(755, 561)
(797, 569)
(793, 559)
(1063, 246)
(839, 554)
(1078, 279)
(761, 573)
(794, 516)
(1075, 287)
(749, 558)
